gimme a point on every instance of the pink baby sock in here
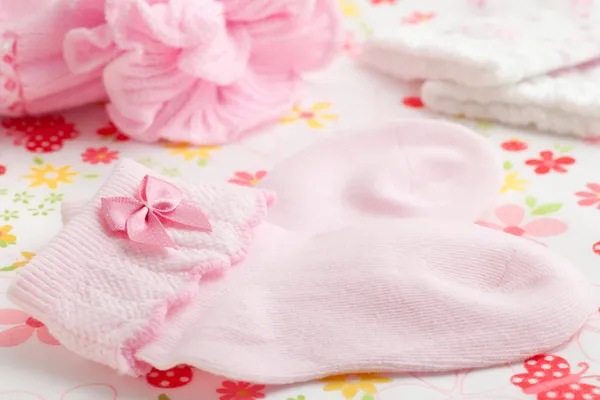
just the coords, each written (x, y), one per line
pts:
(34, 78)
(403, 168)
(132, 281)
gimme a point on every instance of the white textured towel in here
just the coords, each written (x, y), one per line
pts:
(525, 62)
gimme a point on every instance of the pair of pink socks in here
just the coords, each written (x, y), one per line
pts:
(356, 267)
(198, 71)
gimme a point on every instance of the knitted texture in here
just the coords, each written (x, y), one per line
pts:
(203, 71)
(430, 295)
(523, 64)
(396, 296)
(106, 296)
(497, 43)
(34, 78)
(399, 169)
(564, 102)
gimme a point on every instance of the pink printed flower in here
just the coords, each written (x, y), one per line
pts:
(594, 141)
(350, 46)
(548, 163)
(240, 391)
(511, 218)
(596, 248)
(590, 198)
(24, 328)
(418, 17)
(99, 155)
(247, 179)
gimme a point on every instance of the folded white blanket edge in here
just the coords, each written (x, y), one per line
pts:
(515, 105)
(564, 103)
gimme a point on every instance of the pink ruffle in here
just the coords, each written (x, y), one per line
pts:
(203, 71)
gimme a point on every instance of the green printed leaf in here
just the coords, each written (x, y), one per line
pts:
(22, 197)
(301, 397)
(202, 162)
(7, 269)
(547, 209)
(531, 202)
(566, 149)
(507, 165)
(368, 397)
(91, 176)
(3, 192)
(7, 215)
(366, 29)
(174, 172)
(163, 397)
(54, 198)
(148, 162)
(38, 161)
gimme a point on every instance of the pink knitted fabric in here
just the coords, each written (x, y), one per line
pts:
(203, 71)
(430, 294)
(399, 169)
(34, 78)
(133, 281)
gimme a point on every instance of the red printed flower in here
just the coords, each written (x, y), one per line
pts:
(514, 145)
(113, 133)
(590, 198)
(247, 179)
(548, 163)
(2, 169)
(413, 102)
(418, 17)
(383, 1)
(99, 155)
(240, 391)
(44, 134)
(596, 248)
(172, 378)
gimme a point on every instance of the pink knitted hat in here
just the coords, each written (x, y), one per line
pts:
(203, 71)
(34, 78)
(136, 280)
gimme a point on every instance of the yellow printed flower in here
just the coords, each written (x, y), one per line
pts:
(311, 116)
(189, 152)
(50, 175)
(5, 237)
(348, 8)
(26, 255)
(512, 182)
(349, 385)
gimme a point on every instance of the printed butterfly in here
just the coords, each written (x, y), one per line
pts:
(550, 378)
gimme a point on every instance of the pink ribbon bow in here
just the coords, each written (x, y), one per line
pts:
(142, 217)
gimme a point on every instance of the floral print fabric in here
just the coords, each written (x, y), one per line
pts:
(550, 195)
